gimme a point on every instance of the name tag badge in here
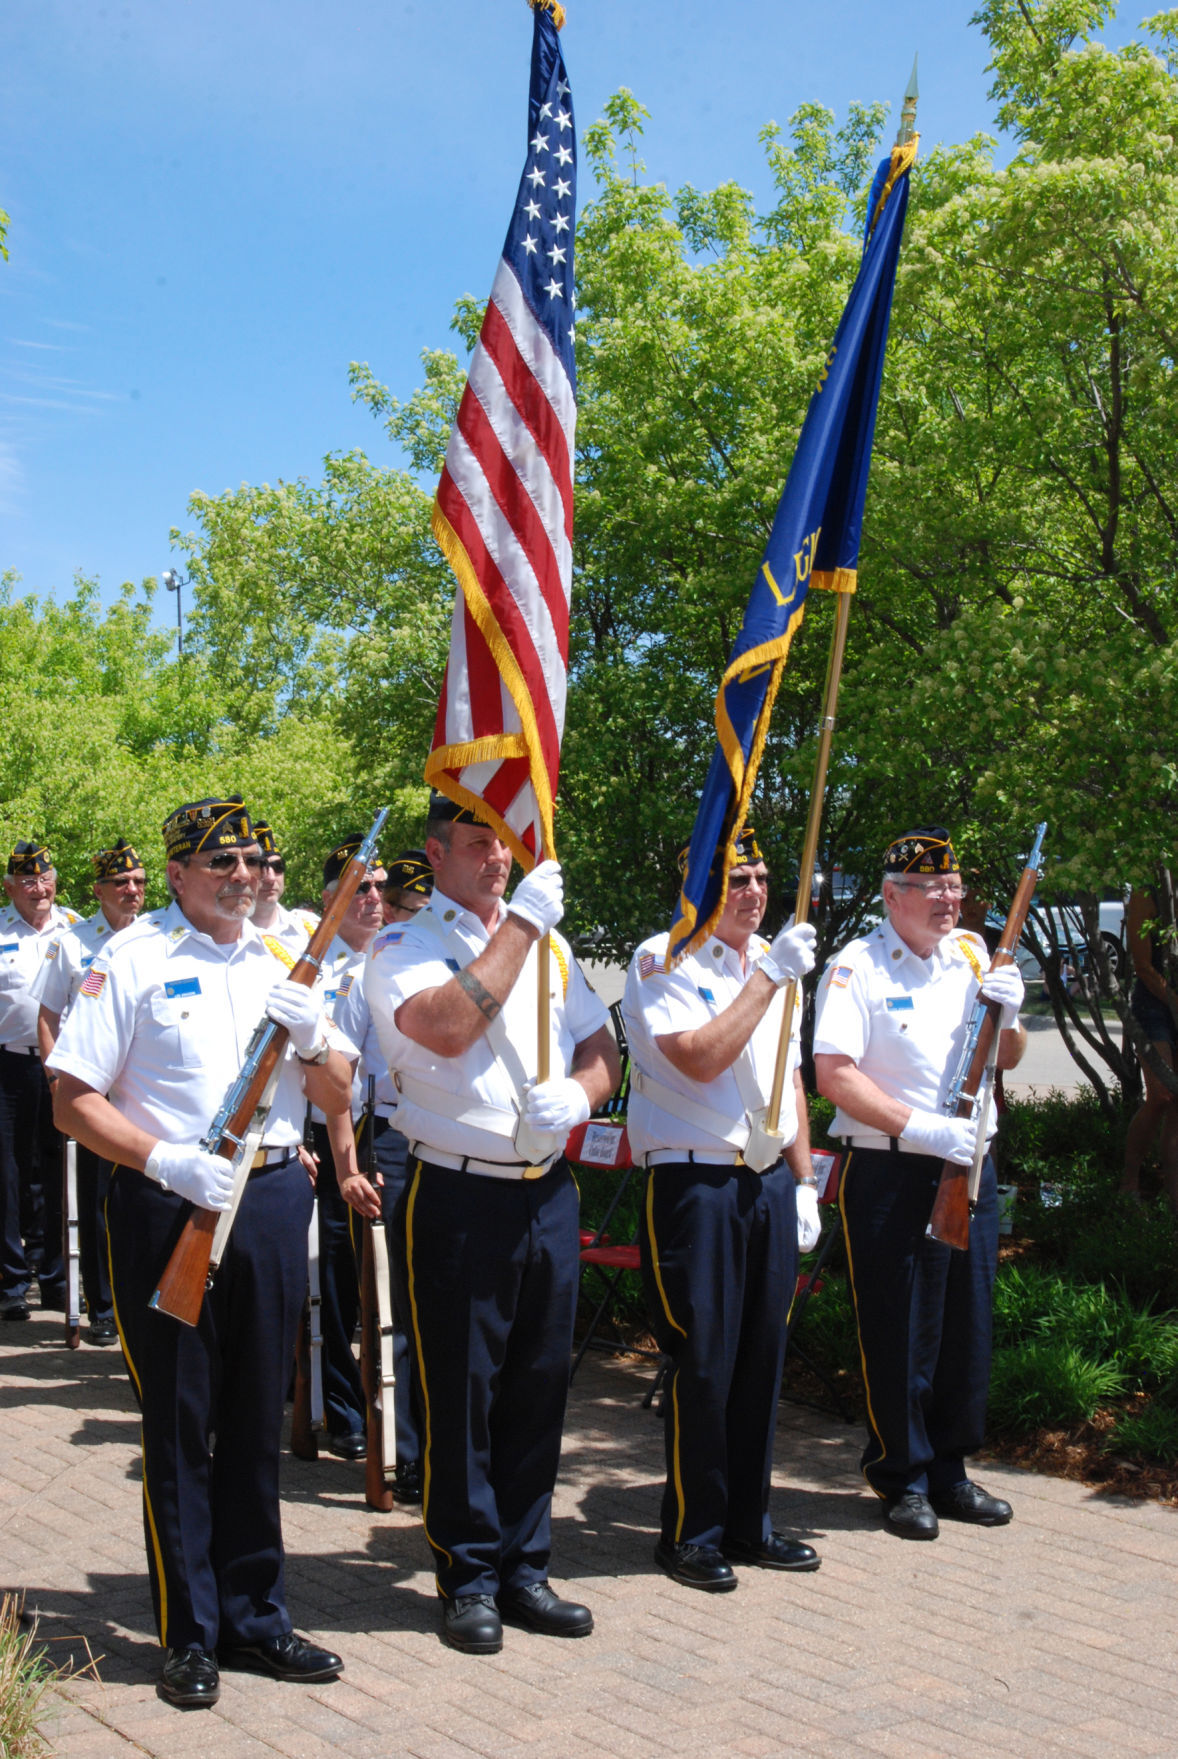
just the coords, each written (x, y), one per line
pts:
(86, 963)
(706, 994)
(899, 1004)
(10, 947)
(182, 986)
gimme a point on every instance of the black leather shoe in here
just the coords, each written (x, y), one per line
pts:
(353, 1446)
(540, 1608)
(969, 1502)
(407, 1485)
(911, 1515)
(471, 1622)
(190, 1678)
(15, 1307)
(775, 1553)
(286, 1658)
(102, 1331)
(696, 1566)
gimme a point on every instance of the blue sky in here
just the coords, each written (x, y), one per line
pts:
(217, 204)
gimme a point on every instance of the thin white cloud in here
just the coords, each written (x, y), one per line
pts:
(12, 478)
(53, 347)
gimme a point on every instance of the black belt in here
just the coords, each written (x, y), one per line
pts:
(21, 1050)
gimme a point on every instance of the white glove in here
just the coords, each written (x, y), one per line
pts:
(539, 897)
(809, 1226)
(1007, 987)
(203, 1178)
(945, 1138)
(791, 954)
(558, 1105)
(298, 1009)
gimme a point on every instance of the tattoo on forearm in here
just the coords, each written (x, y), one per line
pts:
(482, 998)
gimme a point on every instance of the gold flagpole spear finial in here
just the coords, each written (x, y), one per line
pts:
(908, 109)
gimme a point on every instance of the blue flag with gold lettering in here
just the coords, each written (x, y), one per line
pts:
(814, 542)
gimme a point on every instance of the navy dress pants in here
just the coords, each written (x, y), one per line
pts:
(339, 1294)
(924, 1317)
(392, 1160)
(93, 1184)
(30, 1161)
(719, 1256)
(491, 1269)
(211, 1397)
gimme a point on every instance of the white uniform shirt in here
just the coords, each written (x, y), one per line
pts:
(161, 1024)
(701, 986)
(901, 1018)
(22, 954)
(353, 1016)
(406, 959)
(293, 928)
(341, 967)
(67, 959)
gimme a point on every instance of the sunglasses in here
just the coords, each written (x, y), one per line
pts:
(740, 882)
(370, 886)
(228, 860)
(274, 863)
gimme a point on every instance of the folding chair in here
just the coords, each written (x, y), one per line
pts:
(828, 1166)
(604, 1143)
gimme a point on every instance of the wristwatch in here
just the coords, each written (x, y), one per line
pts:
(320, 1056)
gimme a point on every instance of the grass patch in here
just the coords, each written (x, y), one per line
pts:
(25, 1677)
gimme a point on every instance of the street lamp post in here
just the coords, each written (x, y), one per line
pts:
(174, 582)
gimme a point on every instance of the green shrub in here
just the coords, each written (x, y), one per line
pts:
(1044, 1383)
(1042, 1137)
(827, 1330)
(1023, 1294)
(1152, 1433)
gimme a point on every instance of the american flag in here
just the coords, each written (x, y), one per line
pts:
(504, 508)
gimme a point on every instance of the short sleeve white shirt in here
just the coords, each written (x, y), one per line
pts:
(902, 1019)
(406, 959)
(700, 987)
(162, 1021)
(22, 957)
(353, 1016)
(67, 959)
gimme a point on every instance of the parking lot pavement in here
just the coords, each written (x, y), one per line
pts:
(1053, 1635)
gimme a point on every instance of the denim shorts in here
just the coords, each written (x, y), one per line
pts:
(1153, 1016)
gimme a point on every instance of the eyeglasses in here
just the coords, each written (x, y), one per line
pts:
(740, 882)
(370, 886)
(29, 881)
(955, 893)
(273, 863)
(125, 881)
(228, 860)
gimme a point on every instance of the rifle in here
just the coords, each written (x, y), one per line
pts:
(973, 1079)
(69, 1219)
(237, 1130)
(376, 1339)
(307, 1414)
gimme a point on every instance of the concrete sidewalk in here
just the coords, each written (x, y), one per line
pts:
(1054, 1635)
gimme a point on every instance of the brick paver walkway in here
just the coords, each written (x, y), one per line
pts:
(1055, 1635)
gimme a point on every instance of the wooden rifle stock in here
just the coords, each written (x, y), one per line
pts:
(949, 1221)
(187, 1273)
